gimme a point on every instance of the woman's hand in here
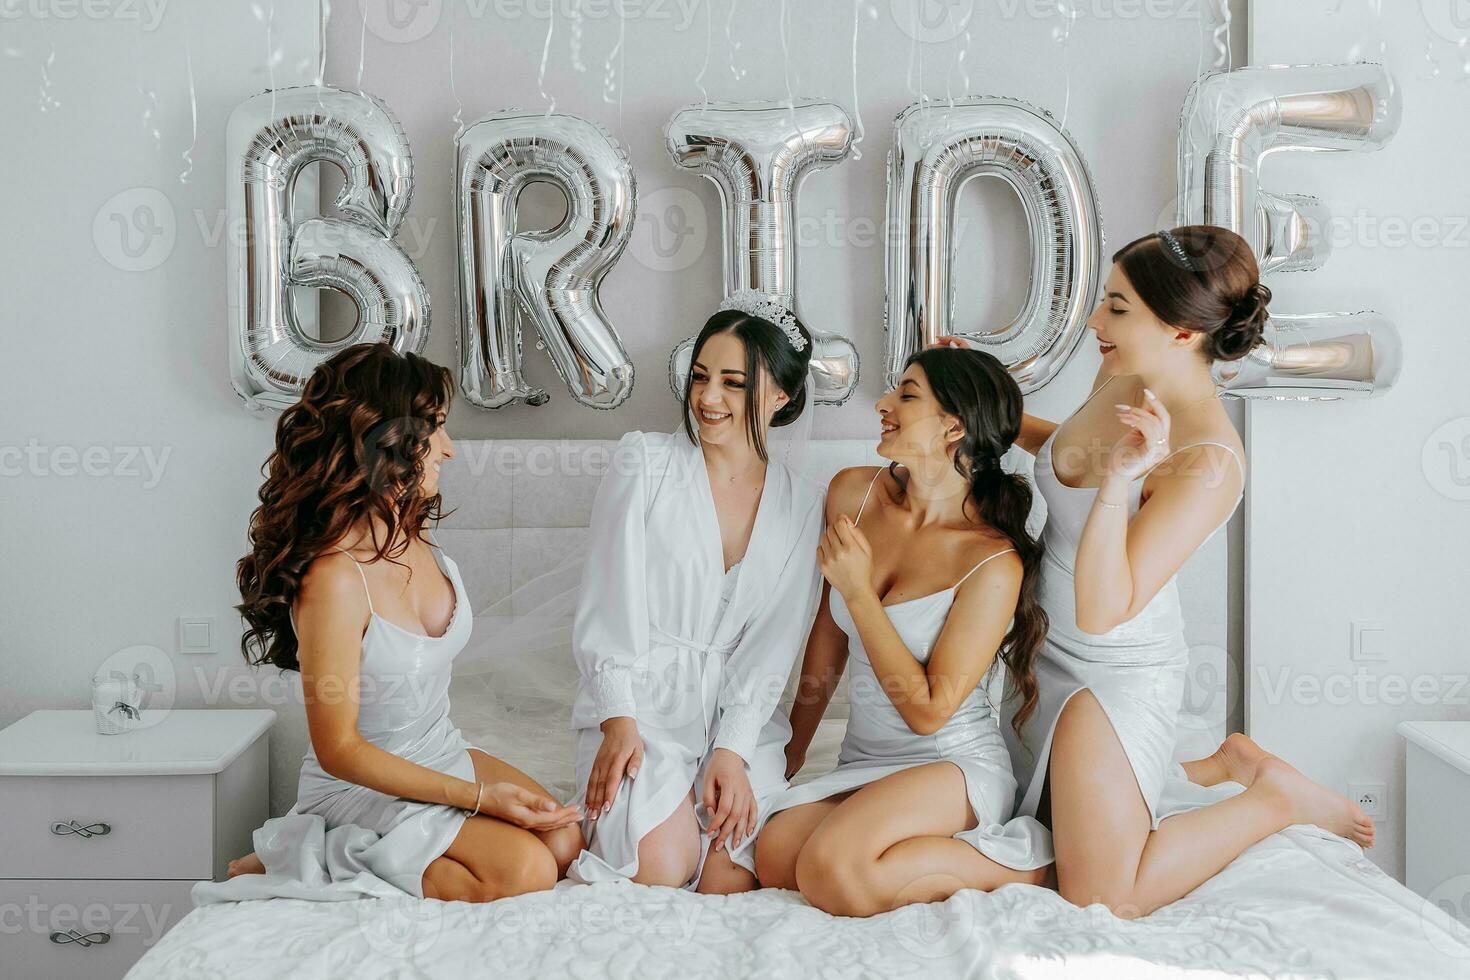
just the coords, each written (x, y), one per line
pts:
(949, 340)
(525, 808)
(729, 799)
(846, 558)
(621, 751)
(1145, 444)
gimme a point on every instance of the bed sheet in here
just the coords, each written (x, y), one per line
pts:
(1301, 903)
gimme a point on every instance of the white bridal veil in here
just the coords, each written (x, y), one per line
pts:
(516, 679)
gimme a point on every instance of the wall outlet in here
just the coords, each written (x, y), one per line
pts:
(1372, 797)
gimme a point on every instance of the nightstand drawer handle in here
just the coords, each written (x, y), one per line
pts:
(72, 936)
(72, 827)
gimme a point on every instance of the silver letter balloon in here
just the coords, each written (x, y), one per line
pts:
(757, 154)
(1231, 120)
(937, 148)
(270, 139)
(547, 280)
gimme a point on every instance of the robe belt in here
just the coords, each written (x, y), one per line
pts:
(662, 636)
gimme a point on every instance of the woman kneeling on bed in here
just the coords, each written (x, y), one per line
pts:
(342, 585)
(931, 581)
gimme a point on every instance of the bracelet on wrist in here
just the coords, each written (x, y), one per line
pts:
(480, 790)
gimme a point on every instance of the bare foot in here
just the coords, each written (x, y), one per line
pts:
(247, 865)
(1307, 802)
(1240, 755)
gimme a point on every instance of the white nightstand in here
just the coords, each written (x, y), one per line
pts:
(1436, 809)
(103, 836)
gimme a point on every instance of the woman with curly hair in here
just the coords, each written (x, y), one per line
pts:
(342, 584)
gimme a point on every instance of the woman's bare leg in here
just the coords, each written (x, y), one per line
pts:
(892, 844)
(783, 837)
(565, 843)
(722, 876)
(669, 853)
(490, 859)
(1106, 851)
(1236, 760)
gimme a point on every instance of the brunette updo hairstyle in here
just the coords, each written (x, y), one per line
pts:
(767, 351)
(1209, 284)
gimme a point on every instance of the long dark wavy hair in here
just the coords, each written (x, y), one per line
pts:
(352, 448)
(768, 351)
(977, 389)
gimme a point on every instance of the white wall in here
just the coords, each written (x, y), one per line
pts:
(1128, 74)
(1361, 510)
(114, 336)
(108, 352)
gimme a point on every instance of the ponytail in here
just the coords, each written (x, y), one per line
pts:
(1003, 501)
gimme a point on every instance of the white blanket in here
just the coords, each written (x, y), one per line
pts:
(1301, 903)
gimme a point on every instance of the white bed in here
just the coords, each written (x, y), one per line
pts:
(1299, 904)
(1302, 903)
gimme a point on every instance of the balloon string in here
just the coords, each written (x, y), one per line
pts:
(786, 68)
(1222, 37)
(361, 52)
(908, 78)
(699, 78)
(321, 39)
(732, 45)
(574, 37)
(188, 153)
(46, 102)
(458, 117)
(1068, 14)
(270, 53)
(545, 54)
(622, 85)
(857, 107)
(150, 97)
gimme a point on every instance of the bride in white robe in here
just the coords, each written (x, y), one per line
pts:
(691, 615)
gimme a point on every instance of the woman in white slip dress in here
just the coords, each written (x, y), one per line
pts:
(341, 585)
(895, 822)
(1124, 512)
(700, 586)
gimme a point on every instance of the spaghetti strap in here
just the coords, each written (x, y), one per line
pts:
(1194, 445)
(1056, 429)
(365, 588)
(1092, 394)
(981, 562)
(865, 496)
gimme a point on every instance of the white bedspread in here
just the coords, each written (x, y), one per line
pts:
(1299, 904)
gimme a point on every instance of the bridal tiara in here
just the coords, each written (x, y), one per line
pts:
(1168, 239)
(755, 303)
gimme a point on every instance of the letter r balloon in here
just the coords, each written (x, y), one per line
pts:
(548, 280)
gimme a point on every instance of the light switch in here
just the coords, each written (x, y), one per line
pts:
(196, 634)
(1369, 644)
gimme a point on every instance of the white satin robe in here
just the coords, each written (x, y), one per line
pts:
(650, 640)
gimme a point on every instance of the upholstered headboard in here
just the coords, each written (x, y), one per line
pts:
(519, 505)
